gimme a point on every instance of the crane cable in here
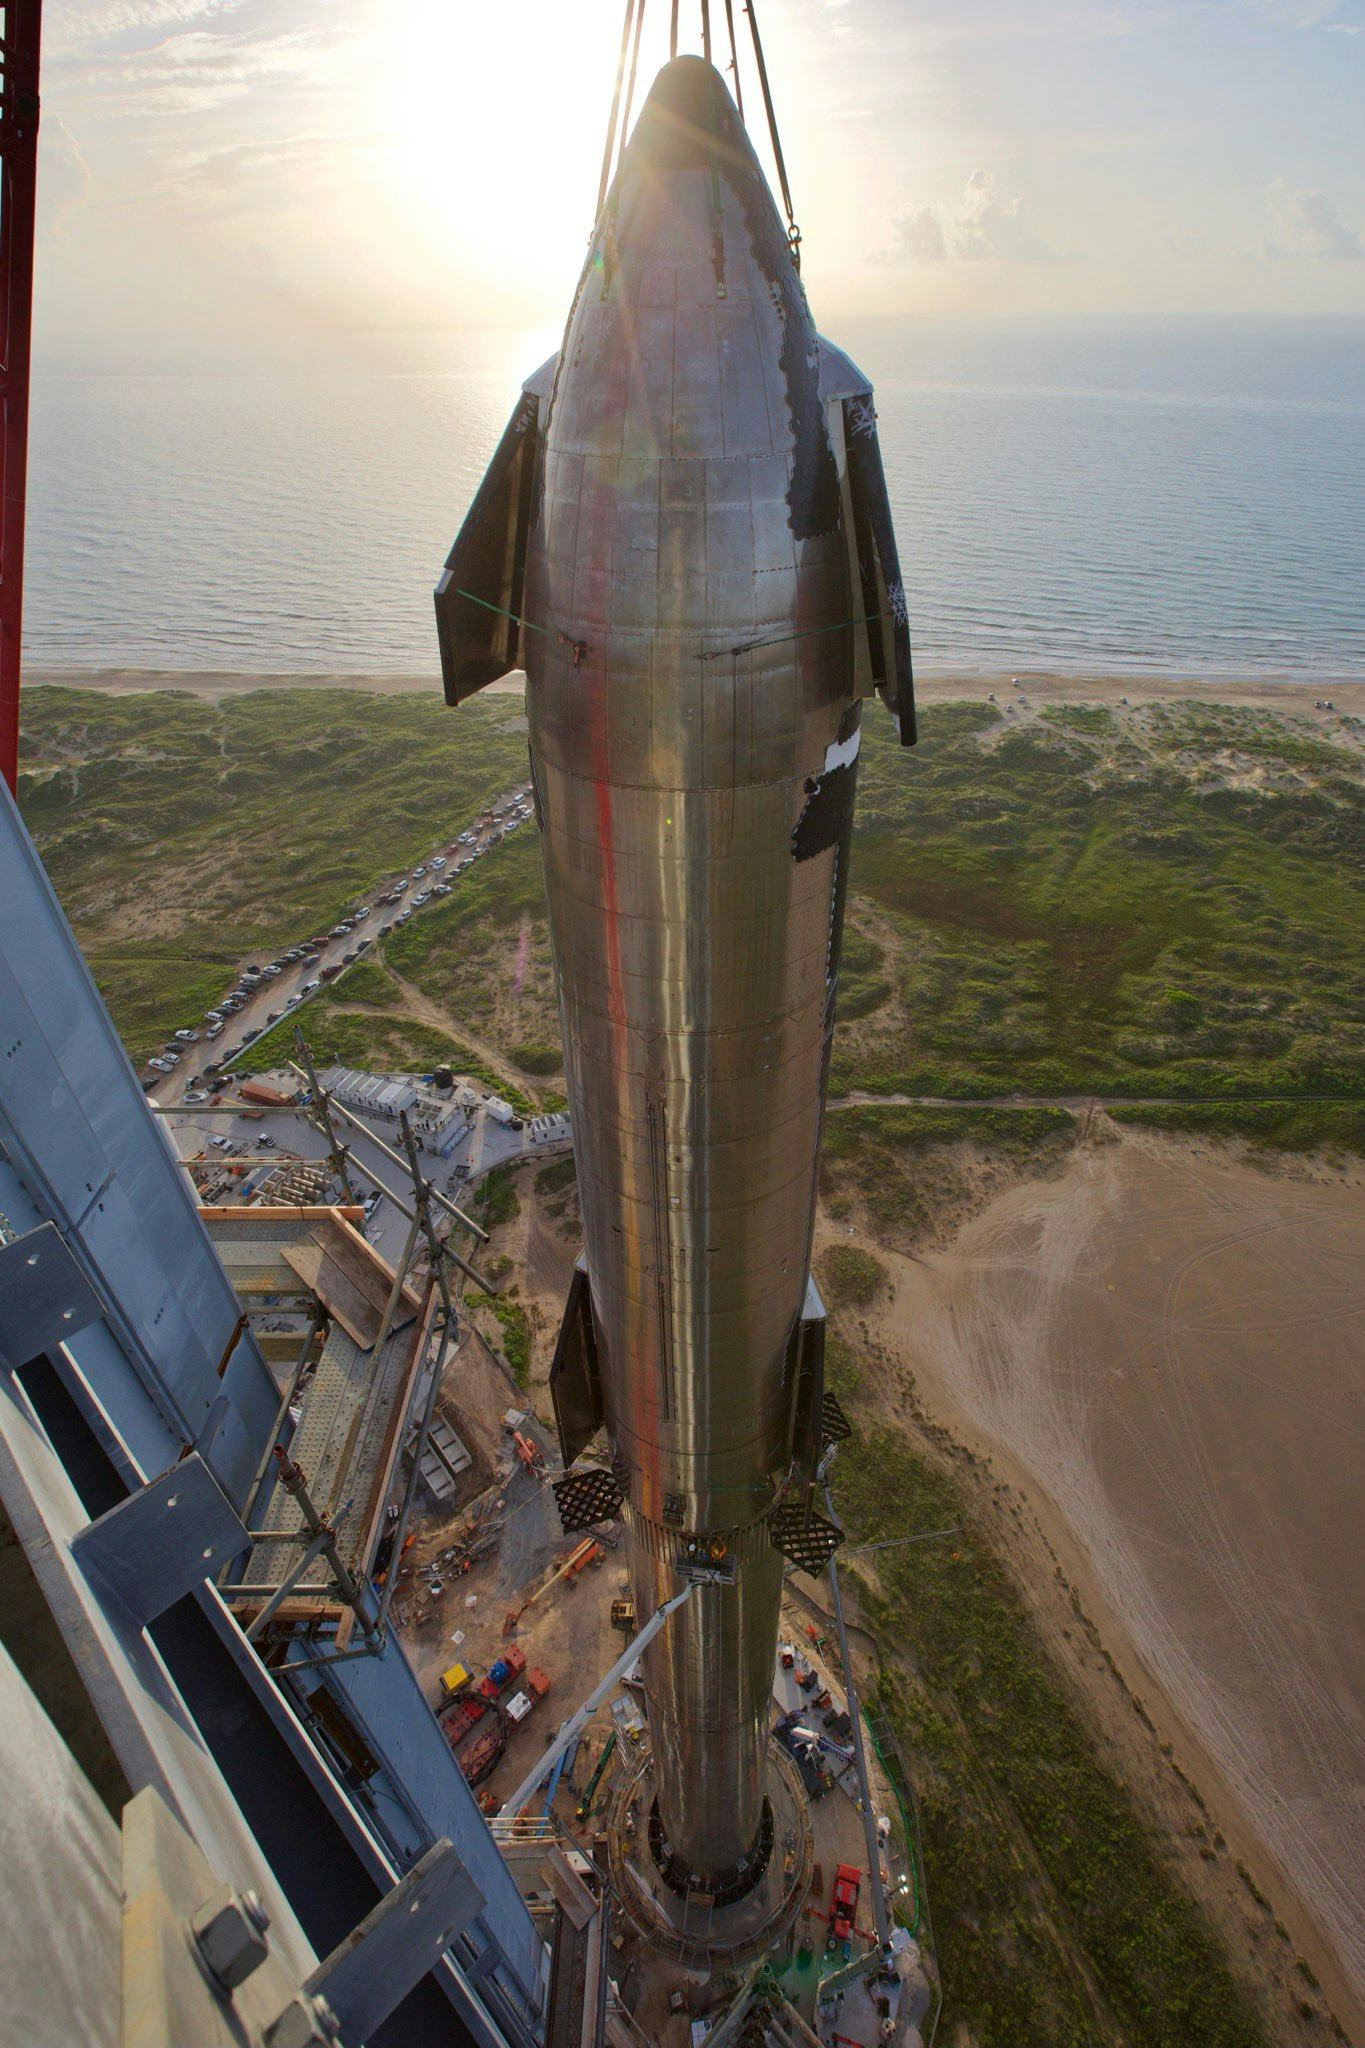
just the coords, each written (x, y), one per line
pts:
(616, 102)
(630, 82)
(793, 231)
(734, 56)
(634, 19)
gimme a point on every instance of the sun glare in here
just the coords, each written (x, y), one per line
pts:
(496, 128)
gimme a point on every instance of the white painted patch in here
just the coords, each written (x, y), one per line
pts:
(842, 752)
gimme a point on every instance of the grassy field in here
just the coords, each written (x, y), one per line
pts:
(1057, 1917)
(1165, 903)
(901, 1170)
(183, 835)
(484, 954)
(1169, 903)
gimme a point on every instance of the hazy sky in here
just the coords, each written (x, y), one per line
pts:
(227, 180)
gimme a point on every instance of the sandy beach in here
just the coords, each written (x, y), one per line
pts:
(1265, 693)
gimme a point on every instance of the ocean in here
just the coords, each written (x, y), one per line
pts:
(1139, 500)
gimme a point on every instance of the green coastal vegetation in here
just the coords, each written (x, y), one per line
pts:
(1057, 1914)
(185, 836)
(506, 1323)
(1163, 908)
(1164, 904)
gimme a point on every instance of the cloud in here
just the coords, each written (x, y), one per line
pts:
(63, 174)
(919, 235)
(986, 226)
(1297, 13)
(197, 69)
(1192, 248)
(78, 23)
(1307, 224)
(992, 226)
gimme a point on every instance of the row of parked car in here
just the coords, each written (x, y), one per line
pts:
(492, 826)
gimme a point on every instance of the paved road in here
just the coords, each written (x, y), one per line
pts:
(283, 994)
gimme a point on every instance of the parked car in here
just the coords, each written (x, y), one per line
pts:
(310, 986)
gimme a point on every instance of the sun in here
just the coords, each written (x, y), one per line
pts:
(495, 126)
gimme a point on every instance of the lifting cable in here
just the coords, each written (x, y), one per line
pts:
(781, 639)
(630, 82)
(616, 101)
(734, 56)
(631, 28)
(578, 649)
(793, 231)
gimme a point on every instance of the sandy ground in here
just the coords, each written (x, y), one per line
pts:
(1263, 692)
(1165, 1346)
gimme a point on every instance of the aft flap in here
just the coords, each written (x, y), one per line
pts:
(879, 567)
(479, 596)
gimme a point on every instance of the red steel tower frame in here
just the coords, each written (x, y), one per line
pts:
(18, 183)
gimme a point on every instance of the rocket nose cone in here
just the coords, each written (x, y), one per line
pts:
(687, 118)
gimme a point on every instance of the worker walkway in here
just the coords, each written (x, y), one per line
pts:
(349, 1407)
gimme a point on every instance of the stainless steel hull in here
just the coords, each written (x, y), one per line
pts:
(693, 701)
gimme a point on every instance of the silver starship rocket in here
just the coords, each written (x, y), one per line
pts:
(684, 539)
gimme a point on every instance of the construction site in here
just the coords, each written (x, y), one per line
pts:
(409, 1485)
(505, 1620)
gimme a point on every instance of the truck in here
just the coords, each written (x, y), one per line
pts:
(843, 1909)
(269, 1098)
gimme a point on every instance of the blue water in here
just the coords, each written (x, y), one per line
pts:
(1160, 501)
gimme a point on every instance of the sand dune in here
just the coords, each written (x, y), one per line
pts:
(1172, 1346)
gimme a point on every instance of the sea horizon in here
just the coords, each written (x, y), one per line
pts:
(1124, 500)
